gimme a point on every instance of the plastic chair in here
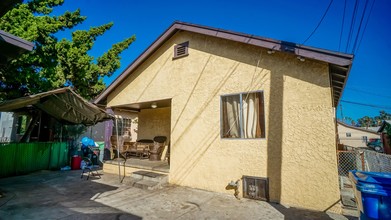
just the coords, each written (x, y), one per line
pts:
(88, 166)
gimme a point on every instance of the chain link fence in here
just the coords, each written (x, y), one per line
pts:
(358, 159)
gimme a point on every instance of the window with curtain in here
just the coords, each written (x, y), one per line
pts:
(243, 115)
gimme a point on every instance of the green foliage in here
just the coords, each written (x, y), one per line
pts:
(367, 121)
(55, 63)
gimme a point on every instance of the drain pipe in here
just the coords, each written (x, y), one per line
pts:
(235, 186)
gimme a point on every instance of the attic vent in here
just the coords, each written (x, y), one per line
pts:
(256, 188)
(181, 50)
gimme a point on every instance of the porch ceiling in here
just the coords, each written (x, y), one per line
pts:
(145, 105)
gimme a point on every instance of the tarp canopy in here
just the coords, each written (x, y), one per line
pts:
(63, 104)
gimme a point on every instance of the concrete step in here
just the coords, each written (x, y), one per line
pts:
(151, 176)
(146, 180)
(144, 184)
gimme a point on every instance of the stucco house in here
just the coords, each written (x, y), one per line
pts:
(357, 137)
(235, 105)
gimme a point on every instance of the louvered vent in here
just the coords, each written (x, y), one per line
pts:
(256, 188)
(181, 50)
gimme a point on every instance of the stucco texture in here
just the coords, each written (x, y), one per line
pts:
(298, 154)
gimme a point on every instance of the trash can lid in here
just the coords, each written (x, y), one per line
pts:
(378, 183)
(372, 177)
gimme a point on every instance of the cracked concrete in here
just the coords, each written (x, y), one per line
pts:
(63, 195)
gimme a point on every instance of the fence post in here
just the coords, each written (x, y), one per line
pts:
(362, 161)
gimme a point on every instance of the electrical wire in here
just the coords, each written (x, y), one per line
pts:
(359, 26)
(365, 27)
(368, 105)
(343, 22)
(317, 26)
(368, 93)
(352, 25)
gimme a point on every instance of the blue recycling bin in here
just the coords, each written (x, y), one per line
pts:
(372, 191)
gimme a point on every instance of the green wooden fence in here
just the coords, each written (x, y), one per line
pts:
(23, 158)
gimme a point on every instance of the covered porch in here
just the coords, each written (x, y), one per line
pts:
(139, 137)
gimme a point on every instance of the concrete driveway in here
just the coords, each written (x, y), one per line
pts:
(63, 195)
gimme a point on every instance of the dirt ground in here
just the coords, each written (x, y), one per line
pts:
(64, 195)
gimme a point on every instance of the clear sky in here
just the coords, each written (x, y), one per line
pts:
(289, 20)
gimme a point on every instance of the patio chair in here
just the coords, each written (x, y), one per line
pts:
(143, 147)
(159, 143)
(88, 166)
(115, 145)
(129, 149)
(168, 153)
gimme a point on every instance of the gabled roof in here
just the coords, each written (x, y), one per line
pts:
(12, 46)
(339, 63)
(370, 129)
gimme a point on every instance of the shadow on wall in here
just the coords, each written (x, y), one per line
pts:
(274, 139)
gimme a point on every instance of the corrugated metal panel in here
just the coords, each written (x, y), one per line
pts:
(22, 158)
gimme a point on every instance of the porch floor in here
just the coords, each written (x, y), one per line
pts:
(161, 166)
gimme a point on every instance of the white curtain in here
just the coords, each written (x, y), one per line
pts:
(250, 112)
(231, 105)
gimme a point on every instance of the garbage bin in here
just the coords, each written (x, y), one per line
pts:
(75, 163)
(372, 191)
(101, 149)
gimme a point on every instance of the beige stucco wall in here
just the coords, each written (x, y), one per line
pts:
(154, 122)
(356, 139)
(298, 154)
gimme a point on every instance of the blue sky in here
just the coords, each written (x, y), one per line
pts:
(369, 80)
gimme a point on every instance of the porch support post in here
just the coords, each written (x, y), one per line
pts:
(108, 133)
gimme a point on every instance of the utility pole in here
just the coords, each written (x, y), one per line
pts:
(343, 119)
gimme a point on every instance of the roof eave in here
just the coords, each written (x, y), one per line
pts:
(335, 58)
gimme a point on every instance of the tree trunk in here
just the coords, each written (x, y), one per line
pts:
(30, 128)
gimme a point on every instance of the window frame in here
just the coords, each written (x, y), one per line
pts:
(263, 126)
(122, 131)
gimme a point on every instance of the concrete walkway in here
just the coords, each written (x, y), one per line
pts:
(63, 195)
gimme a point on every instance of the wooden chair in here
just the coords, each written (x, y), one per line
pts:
(115, 145)
(159, 143)
(143, 148)
(129, 149)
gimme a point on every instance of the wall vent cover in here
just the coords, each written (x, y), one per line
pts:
(181, 50)
(256, 188)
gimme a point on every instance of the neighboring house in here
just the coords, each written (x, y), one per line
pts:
(235, 105)
(355, 136)
(10, 47)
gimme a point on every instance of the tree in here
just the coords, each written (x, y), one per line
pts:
(367, 121)
(55, 63)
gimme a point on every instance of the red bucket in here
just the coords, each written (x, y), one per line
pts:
(75, 163)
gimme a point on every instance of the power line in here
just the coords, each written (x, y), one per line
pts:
(343, 22)
(352, 25)
(368, 105)
(360, 25)
(365, 27)
(324, 15)
(369, 93)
